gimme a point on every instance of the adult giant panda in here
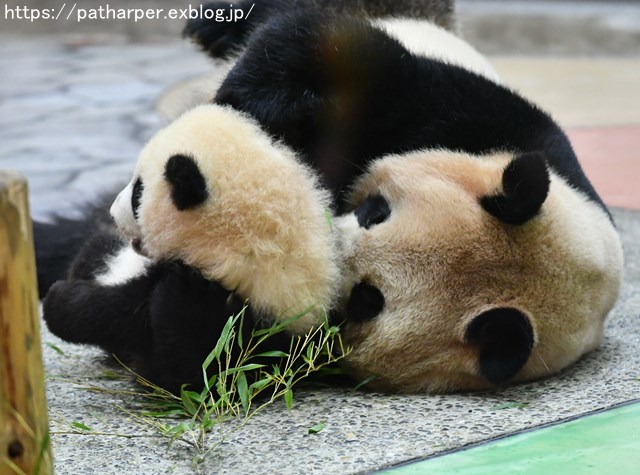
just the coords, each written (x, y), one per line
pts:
(477, 250)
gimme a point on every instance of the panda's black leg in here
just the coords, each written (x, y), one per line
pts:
(187, 315)
(113, 317)
(225, 26)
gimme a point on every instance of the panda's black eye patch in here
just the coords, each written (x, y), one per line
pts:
(374, 210)
(365, 303)
(188, 186)
(136, 194)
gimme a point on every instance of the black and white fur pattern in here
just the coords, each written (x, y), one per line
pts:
(346, 94)
(101, 291)
(226, 39)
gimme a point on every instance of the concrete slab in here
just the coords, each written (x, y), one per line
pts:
(578, 92)
(364, 431)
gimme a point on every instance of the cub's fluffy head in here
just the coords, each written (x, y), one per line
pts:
(465, 272)
(213, 190)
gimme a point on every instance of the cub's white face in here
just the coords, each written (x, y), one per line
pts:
(440, 294)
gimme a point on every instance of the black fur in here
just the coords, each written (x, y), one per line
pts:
(344, 93)
(136, 195)
(59, 242)
(162, 324)
(374, 210)
(504, 338)
(188, 186)
(221, 39)
(525, 186)
(365, 303)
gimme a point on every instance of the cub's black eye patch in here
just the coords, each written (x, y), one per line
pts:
(136, 194)
(374, 210)
(365, 303)
(188, 186)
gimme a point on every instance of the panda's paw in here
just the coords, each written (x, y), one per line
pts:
(58, 309)
(216, 32)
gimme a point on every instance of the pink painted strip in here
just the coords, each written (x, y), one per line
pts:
(610, 157)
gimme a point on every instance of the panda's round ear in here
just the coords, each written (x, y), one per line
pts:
(504, 338)
(188, 186)
(525, 186)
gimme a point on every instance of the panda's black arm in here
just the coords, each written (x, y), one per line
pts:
(187, 314)
(225, 26)
(170, 306)
(114, 317)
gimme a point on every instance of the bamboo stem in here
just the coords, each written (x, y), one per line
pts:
(24, 431)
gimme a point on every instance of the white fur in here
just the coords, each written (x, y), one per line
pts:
(122, 213)
(125, 265)
(263, 230)
(440, 259)
(423, 38)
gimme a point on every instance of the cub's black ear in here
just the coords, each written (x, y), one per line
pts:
(525, 186)
(188, 186)
(504, 338)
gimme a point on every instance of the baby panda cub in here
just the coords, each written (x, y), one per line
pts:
(215, 192)
(210, 192)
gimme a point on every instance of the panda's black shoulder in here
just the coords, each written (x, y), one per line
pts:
(296, 61)
(344, 92)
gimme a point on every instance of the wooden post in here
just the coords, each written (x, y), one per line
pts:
(24, 428)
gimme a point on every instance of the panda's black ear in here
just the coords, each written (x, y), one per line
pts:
(188, 186)
(504, 338)
(525, 186)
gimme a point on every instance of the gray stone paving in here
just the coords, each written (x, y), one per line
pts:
(73, 117)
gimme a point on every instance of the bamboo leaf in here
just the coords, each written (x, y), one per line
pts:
(81, 426)
(272, 354)
(317, 428)
(247, 367)
(243, 391)
(55, 348)
(511, 405)
(288, 398)
(260, 384)
(187, 402)
(365, 381)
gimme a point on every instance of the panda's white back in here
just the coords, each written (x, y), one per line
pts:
(426, 39)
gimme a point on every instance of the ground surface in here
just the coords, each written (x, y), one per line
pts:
(75, 111)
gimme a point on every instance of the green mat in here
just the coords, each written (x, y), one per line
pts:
(600, 443)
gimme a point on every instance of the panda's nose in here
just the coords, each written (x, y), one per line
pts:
(114, 206)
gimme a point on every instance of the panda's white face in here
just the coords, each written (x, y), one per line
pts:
(442, 294)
